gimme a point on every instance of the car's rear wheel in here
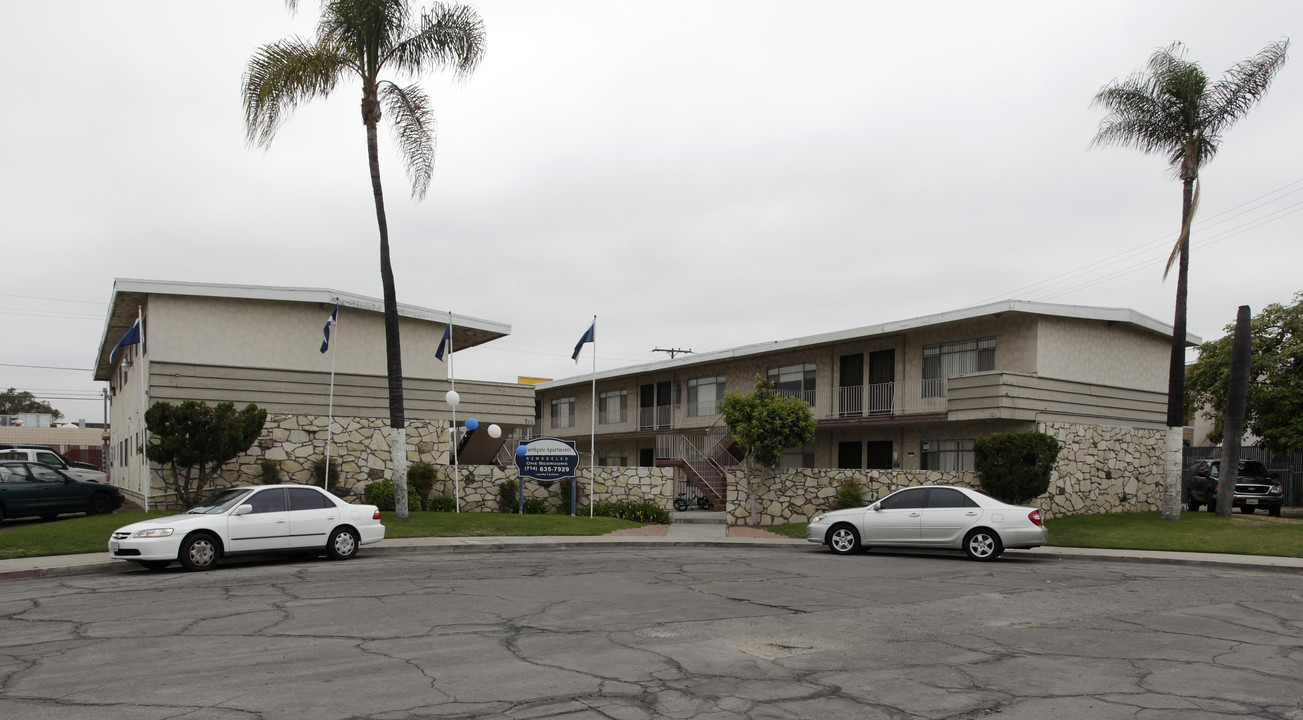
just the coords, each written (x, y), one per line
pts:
(844, 540)
(342, 544)
(199, 552)
(99, 504)
(1212, 503)
(982, 544)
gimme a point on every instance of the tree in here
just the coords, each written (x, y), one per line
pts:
(1274, 399)
(362, 39)
(764, 424)
(1015, 467)
(13, 402)
(1173, 110)
(195, 439)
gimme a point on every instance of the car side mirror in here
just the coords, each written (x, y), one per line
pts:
(243, 510)
(876, 507)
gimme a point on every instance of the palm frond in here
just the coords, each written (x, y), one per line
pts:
(365, 29)
(1244, 85)
(279, 77)
(1184, 237)
(413, 129)
(450, 36)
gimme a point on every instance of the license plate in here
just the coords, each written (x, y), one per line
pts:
(1251, 501)
(113, 546)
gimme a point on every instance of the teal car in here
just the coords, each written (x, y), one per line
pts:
(34, 489)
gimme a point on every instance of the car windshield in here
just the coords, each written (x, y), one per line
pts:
(219, 502)
(1249, 468)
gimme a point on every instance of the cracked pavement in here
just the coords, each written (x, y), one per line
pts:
(662, 632)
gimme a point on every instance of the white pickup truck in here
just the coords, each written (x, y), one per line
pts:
(49, 457)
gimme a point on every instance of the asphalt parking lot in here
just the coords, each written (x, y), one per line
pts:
(649, 632)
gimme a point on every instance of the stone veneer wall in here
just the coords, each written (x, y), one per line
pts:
(361, 449)
(1100, 469)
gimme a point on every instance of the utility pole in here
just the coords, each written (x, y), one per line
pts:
(671, 351)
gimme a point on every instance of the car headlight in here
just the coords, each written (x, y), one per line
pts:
(818, 518)
(152, 532)
(1276, 489)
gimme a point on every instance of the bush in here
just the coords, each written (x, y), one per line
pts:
(441, 504)
(536, 506)
(849, 495)
(1015, 467)
(642, 512)
(381, 494)
(319, 473)
(563, 491)
(508, 496)
(421, 476)
(271, 472)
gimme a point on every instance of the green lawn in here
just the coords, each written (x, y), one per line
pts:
(1196, 532)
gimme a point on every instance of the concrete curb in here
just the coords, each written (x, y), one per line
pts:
(72, 565)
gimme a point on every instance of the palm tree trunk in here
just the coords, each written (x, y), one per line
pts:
(393, 353)
(1176, 371)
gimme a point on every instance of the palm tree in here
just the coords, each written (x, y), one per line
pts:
(1173, 110)
(362, 38)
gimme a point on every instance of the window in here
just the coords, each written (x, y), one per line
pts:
(268, 501)
(44, 474)
(905, 499)
(797, 458)
(947, 455)
(613, 459)
(704, 396)
(563, 413)
(948, 498)
(794, 381)
(613, 407)
(308, 499)
(955, 358)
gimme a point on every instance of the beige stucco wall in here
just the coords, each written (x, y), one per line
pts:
(1096, 352)
(283, 335)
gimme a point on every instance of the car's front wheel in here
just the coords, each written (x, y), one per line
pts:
(99, 504)
(1274, 511)
(844, 540)
(982, 544)
(342, 544)
(1191, 504)
(199, 552)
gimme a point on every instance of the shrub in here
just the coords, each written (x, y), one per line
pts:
(536, 506)
(508, 496)
(563, 491)
(642, 512)
(849, 495)
(421, 476)
(1015, 467)
(271, 472)
(441, 504)
(381, 494)
(319, 473)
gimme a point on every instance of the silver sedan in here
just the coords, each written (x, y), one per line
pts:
(933, 516)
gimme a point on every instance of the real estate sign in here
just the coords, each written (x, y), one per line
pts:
(547, 459)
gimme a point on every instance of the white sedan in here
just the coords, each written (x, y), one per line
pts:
(933, 516)
(255, 520)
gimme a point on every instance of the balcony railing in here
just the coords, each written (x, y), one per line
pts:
(893, 398)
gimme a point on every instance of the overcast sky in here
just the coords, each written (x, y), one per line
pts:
(699, 174)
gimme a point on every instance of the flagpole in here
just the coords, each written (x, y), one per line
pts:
(592, 432)
(330, 406)
(144, 430)
(456, 467)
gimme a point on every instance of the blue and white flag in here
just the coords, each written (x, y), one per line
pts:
(130, 337)
(447, 338)
(588, 337)
(332, 320)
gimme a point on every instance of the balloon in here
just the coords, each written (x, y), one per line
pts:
(453, 398)
(520, 451)
(495, 432)
(472, 423)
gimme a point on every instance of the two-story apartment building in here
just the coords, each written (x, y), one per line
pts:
(258, 344)
(908, 395)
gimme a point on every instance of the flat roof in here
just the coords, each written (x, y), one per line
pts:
(129, 294)
(1080, 312)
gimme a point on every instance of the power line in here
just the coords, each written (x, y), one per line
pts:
(47, 367)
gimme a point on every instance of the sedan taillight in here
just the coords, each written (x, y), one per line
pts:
(1035, 517)
(376, 516)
